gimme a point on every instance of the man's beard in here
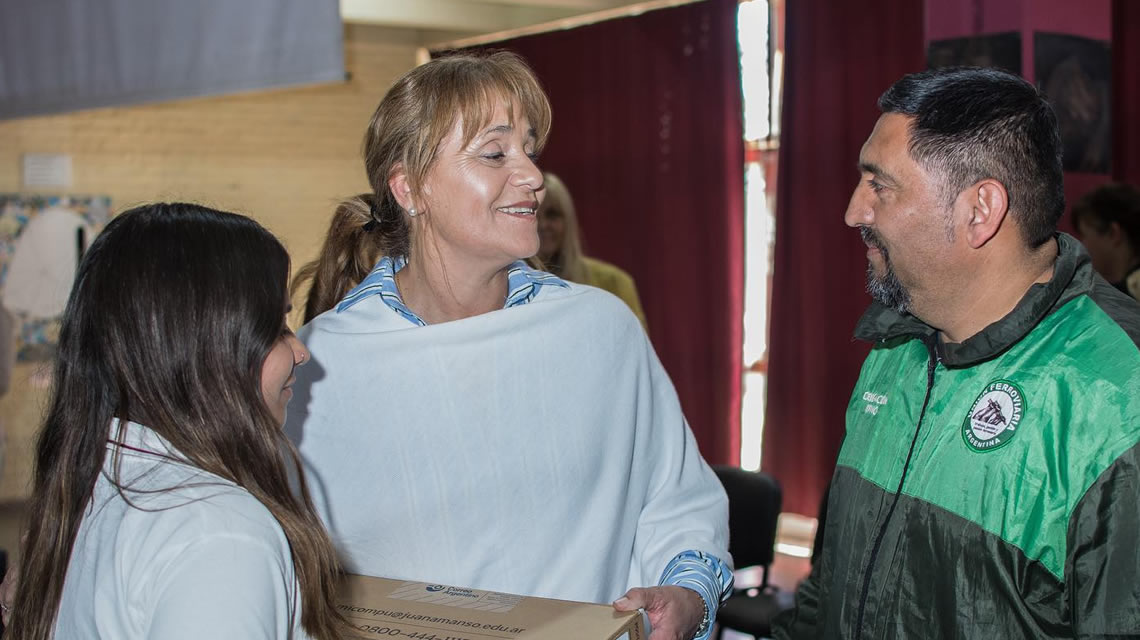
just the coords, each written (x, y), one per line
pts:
(886, 289)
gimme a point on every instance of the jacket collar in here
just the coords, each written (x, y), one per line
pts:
(1072, 276)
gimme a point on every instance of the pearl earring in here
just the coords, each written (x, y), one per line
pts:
(412, 212)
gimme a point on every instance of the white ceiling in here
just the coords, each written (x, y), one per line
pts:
(477, 17)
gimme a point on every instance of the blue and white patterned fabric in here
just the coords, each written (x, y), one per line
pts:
(523, 284)
(708, 575)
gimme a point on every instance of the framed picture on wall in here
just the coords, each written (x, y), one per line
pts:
(41, 241)
(997, 50)
(1076, 75)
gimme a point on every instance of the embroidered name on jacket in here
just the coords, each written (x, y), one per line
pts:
(874, 401)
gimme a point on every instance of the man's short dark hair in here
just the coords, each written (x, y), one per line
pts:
(1113, 202)
(971, 124)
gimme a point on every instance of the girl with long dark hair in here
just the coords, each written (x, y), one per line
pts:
(163, 505)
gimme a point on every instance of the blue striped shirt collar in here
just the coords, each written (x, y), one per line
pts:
(523, 284)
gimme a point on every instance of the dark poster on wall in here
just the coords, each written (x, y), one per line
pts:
(1075, 74)
(998, 50)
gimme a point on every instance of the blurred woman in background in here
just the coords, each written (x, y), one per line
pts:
(1107, 220)
(560, 248)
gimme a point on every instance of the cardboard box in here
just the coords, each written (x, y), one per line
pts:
(382, 608)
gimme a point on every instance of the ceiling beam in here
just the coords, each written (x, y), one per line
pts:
(579, 5)
(453, 15)
(624, 10)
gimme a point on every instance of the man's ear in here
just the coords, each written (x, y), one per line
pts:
(400, 187)
(989, 204)
(1115, 234)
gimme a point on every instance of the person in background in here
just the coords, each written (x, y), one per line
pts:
(470, 421)
(1107, 219)
(7, 362)
(993, 488)
(162, 505)
(560, 248)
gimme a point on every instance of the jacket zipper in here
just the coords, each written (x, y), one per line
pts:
(932, 363)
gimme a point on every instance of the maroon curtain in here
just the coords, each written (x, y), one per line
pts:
(648, 138)
(1126, 90)
(840, 57)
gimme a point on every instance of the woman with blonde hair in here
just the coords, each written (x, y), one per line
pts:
(162, 505)
(560, 248)
(471, 421)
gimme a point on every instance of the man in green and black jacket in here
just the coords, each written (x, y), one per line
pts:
(989, 482)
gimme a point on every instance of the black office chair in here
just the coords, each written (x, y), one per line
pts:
(754, 501)
(3, 574)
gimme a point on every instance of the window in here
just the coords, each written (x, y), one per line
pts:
(760, 34)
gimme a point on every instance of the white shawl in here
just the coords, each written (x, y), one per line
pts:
(537, 450)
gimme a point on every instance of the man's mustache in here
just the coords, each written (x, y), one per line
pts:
(872, 239)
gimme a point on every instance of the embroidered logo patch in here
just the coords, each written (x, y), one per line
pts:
(992, 421)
